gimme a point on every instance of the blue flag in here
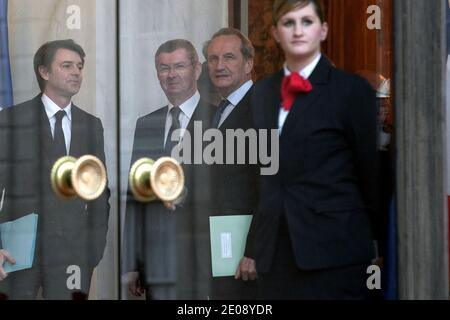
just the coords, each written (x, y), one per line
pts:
(6, 99)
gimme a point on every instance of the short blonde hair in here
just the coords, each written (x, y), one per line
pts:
(281, 7)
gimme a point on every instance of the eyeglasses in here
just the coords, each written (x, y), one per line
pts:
(178, 68)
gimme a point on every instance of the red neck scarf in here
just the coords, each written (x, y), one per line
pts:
(293, 85)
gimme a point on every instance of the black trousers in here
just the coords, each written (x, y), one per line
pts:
(228, 288)
(285, 281)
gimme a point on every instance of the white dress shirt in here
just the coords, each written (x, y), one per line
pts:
(187, 110)
(234, 98)
(305, 73)
(51, 109)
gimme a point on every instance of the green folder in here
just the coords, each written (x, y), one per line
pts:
(19, 239)
(228, 237)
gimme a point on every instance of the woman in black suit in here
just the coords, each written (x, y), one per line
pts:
(313, 233)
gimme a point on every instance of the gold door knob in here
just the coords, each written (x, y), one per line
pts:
(85, 178)
(150, 180)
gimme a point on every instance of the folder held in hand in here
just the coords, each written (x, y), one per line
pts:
(19, 239)
(228, 238)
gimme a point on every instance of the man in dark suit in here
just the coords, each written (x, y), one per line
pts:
(229, 55)
(33, 136)
(165, 244)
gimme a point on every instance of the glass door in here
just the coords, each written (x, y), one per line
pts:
(167, 252)
(60, 222)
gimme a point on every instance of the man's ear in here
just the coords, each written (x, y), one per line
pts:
(198, 70)
(43, 72)
(248, 66)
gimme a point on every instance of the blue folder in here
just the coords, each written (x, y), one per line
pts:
(19, 239)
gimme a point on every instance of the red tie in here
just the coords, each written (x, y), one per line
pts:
(291, 86)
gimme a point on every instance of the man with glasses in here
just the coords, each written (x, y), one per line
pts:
(163, 244)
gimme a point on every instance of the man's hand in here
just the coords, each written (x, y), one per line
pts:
(172, 206)
(246, 270)
(378, 262)
(134, 284)
(5, 256)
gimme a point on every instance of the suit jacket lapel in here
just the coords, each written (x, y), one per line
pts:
(305, 100)
(274, 104)
(77, 133)
(233, 117)
(203, 112)
(157, 129)
(43, 129)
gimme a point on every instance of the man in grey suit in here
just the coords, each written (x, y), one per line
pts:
(162, 247)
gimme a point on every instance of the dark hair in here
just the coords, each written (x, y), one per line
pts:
(172, 45)
(281, 7)
(247, 49)
(46, 54)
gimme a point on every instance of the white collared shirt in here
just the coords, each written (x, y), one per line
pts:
(187, 110)
(305, 73)
(234, 98)
(51, 109)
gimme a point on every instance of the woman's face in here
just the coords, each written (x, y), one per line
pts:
(300, 33)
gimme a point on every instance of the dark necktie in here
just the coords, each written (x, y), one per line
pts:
(293, 85)
(175, 112)
(60, 142)
(220, 109)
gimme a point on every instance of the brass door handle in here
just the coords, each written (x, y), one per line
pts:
(162, 179)
(84, 177)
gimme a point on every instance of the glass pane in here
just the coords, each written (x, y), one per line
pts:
(169, 249)
(85, 249)
(74, 252)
